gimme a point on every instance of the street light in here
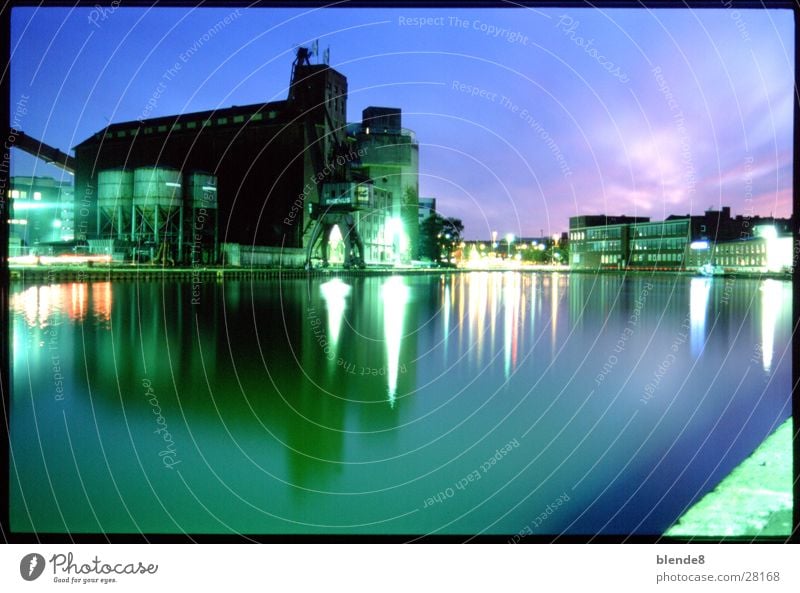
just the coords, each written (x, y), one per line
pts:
(509, 239)
(494, 239)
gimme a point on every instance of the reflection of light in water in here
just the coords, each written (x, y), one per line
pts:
(770, 308)
(395, 297)
(699, 290)
(478, 288)
(38, 304)
(461, 301)
(534, 290)
(101, 300)
(26, 304)
(511, 305)
(334, 292)
(494, 306)
(77, 308)
(446, 317)
(553, 308)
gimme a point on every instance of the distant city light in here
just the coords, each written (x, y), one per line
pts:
(698, 245)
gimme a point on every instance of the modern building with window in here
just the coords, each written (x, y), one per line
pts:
(680, 242)
(40, 213)
(659, 245)
(600, 242)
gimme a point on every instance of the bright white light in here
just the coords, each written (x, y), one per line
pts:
(207, 188)
(395, 296)
(699, 290)
(37, 195)
(698, 245)
(335, 293)
(766, 231)
(57, 223)
(172, 184)
(510, 238)
(771, 304)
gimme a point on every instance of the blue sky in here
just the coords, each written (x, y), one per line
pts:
(524, 117)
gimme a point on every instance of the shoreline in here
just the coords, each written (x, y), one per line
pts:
(83, 273)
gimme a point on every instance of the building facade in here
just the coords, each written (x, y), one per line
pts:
(600, 242)
(268, 160)
(389, 155)
(40, 213)
(680, 242)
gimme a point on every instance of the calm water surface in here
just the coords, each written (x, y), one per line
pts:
(471, 403)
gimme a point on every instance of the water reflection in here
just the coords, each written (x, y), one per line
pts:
(395, 298)
(43, 305)
(511, 298)
(700, 289)
(335, 293)
(771, 308)
(276, 396)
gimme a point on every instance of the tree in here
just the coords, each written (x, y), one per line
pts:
(439, 237)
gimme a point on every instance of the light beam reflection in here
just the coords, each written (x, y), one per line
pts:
(770, 308)
(335, 293)
(699, 290)
(395, 297)
(511, 298)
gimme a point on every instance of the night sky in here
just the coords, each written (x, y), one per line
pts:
(524, 117)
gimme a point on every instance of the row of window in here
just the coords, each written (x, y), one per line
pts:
(604, 246)
(609, 259)
(658, 244)
(664, 229)
(604, 233)
(741, 261)
(657, 257)
(192, 125)
(661, 230)
(18, 194)
(737, 248)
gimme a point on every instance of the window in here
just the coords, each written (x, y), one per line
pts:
(176, 127)
(162, 128)
(121, 134)
(237, 119)
(191, 125)
(273, 114)
(148, 130)
(37, 195)
(221, 121)
(133, 132)
(257, 117)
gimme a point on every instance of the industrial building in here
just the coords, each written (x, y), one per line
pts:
(679, 242)
(240, 184)
(40, 214)
(389, 156)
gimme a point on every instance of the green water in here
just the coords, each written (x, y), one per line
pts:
(499, 403)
